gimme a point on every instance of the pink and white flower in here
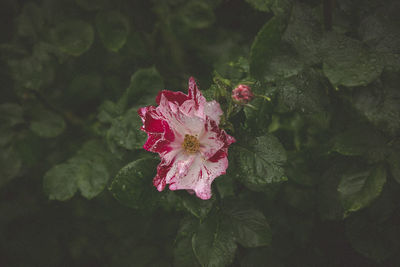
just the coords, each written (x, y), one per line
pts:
(183, 130)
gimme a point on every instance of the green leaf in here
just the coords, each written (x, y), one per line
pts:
(277, 6)
(60, 182)
(113, 28)
(213, 244)
(73, 37)
(10, 165)
(303, 92)
(87, 171)
(262, 5)
(250, 227)
(380, 31)
(132, 186)
(260, 161)
(108, 111)
(125, 132)
(258, 119)
(143, 88)
(358, 187)
(328, 199)
(225, 185)
(348, 62)
(92, 176)
(198, 207)
(46, 123)
(35, 71)
(183, 251)
(304, 33)
(197, 14)
(379, 103)
(265, 46)
(360, 141)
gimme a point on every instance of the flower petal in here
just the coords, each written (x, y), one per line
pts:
(200, 175)
(213, 110)
(160, 136)
(177, 97)
(213, 139)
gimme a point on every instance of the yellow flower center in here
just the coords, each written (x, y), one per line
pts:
(191, 144)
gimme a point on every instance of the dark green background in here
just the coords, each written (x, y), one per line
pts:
(313, 178)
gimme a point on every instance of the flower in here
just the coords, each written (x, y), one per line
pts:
(183, 130)
(242, 94)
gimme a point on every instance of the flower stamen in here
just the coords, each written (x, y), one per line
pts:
(191, 144)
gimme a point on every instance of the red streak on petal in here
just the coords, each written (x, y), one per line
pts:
(178, 97)
(162, 170)
(222, 153)
(194, 92)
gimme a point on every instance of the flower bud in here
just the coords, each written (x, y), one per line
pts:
(242, 94)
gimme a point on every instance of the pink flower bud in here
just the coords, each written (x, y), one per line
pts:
(242, 94)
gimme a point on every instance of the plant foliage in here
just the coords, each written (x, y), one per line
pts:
(313, 179)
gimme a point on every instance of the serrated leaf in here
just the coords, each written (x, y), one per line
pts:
(143, 88)
(198, 207)
(348, 62)
(258, 119)
(358, 187)
(265, 46)
(360, 141)
(303, 92)
(183, 251)
(113, 28)
(304, 33)
(87, 171)
(125, 132)
(60, 182)
(213, 244)
(108, 111)
(379, 103)
(132, 186)
(46, 123)
(250, 227)
(73, 36)
(34, 71)
(260, 161)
